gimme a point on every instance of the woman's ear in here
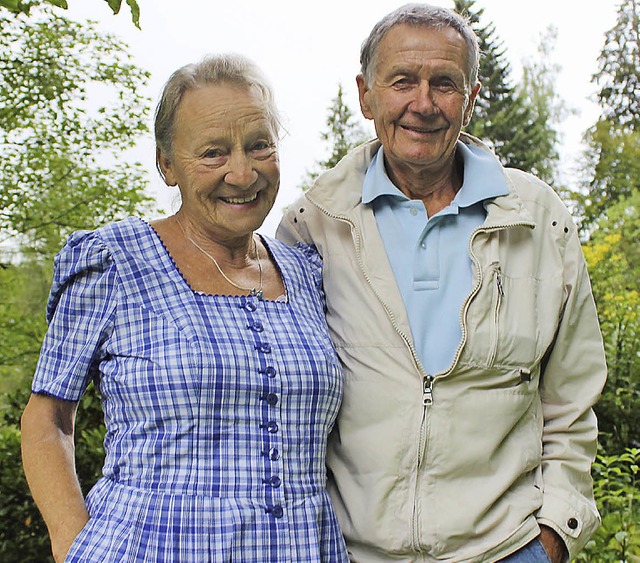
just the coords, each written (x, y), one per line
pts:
(163, 163)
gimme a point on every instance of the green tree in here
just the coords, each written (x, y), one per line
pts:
(24, 6)
(612, 156)
(71, 105)
(70, 108)
(343, 134)
(515, 121)
(618, 76)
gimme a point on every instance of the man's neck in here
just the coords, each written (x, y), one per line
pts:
(435, 188)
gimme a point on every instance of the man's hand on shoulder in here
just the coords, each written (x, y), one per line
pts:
(553, 545)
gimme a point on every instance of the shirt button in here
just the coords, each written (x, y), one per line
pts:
(572, 523)
(265, 348)
(413, 211)
(256, 326)
(277, 511)
(274, 454)
(423, 245)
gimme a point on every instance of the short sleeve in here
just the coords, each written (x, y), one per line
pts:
(80, 312)
(314, 261)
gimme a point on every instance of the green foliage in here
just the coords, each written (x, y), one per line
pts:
(23, 534)
(23, 294)
(70, 107)
(618, 74)
(613, 256)
(343, 134)
(612, 156)
(24, 7)
(617, 492)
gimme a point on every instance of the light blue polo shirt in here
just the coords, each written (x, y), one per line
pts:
(430, 255)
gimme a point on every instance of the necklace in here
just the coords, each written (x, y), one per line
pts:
(252, 290)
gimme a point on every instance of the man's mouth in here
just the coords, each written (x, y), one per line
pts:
(421, 129)
(240, 200)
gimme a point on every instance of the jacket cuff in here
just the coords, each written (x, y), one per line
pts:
(575, 519)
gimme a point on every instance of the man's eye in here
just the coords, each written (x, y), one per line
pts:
(401, 83)
(445, 84)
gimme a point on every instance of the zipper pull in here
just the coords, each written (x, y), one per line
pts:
(427, 390)
(499, 283)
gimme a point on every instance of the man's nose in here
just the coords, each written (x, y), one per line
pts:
(240, 171)
(423, 101)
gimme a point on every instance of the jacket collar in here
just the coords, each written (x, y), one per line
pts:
(339, 190)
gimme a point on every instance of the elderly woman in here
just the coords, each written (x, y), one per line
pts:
(208, 343)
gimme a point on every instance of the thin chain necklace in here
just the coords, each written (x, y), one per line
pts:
(252, 290)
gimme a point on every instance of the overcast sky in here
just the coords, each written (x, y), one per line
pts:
(307, 48)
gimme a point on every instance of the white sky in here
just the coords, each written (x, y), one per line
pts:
(307, 48)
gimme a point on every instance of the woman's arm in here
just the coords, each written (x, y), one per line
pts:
(48, 457)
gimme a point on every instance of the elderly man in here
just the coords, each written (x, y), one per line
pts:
(459, 303)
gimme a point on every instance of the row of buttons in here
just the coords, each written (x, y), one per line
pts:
(263, 348)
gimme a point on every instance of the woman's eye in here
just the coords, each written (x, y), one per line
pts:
(262, 149)
(212, 153)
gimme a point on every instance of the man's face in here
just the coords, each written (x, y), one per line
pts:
(419, 98)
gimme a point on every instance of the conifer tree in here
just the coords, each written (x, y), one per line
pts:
(513, 120)
(613, 153)
(344, 133)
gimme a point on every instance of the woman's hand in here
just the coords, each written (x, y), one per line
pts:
(48, 457)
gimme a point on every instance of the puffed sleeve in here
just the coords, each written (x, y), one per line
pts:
(313, 261)
(80, 314)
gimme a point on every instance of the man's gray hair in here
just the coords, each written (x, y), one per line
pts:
(420, 15)
(229, 69)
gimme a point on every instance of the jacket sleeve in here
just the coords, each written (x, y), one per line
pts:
(573, 376)
(292, 227)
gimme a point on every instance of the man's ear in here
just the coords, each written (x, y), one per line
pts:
(163, 163)
(363, 94)
(468, 111)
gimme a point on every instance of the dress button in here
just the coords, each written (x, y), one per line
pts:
(271, 399)
(572, 523)
(413, 211)
(263, 347)
(256, 326)
(269, 372)
(274, 454)
(277, 511)
(271, 426)
(275, 481)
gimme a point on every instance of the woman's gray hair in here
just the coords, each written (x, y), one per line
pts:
(420, 15)
(228, 69)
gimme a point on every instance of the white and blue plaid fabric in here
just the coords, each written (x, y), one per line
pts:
(217, 407)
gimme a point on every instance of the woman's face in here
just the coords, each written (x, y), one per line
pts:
(224, 161)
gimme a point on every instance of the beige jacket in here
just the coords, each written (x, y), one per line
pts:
(461, 465)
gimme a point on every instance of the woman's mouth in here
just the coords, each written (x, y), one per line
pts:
(240, 200)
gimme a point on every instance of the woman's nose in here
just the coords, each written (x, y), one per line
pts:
(241, 172)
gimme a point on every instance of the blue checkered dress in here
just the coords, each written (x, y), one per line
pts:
(217, 407)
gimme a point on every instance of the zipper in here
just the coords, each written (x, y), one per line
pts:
(495, 333)
(427, 380)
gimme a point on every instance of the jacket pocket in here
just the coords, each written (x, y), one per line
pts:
(512, 320)
(498, 293)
